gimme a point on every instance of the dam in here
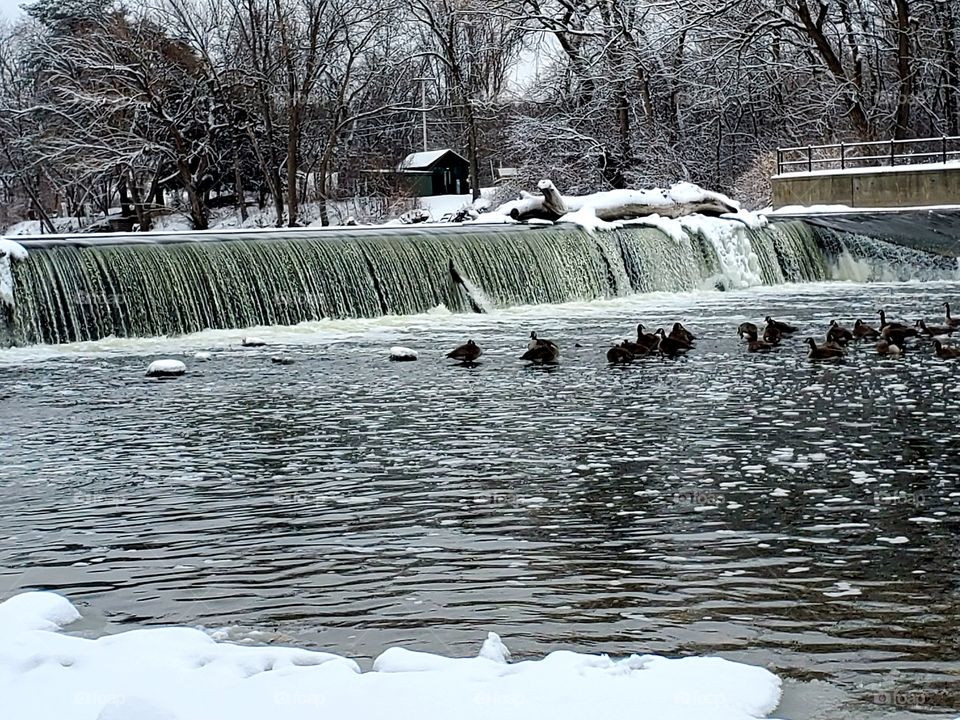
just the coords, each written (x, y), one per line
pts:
(87, 287)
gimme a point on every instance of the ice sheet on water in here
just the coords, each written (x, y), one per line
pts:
(181, 673)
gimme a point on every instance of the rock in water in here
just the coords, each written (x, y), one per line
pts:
(202, 356)
(166, 368)
(251, 341)
(402, 354)
(282, 360)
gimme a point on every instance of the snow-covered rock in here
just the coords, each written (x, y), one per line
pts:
(166, 368)
(179, 673)
(10, 252)
(253, 341)
(402, 354)
(202, 356)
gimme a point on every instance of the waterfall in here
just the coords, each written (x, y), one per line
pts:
(86, 288)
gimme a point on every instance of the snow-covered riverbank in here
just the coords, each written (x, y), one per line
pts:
(182, 673)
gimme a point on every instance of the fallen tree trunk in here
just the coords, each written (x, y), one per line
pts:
(615, 205)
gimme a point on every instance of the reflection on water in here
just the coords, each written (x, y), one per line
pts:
(801, 516)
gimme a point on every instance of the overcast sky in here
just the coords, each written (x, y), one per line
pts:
(9, 9)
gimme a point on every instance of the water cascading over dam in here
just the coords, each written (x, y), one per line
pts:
(84, 288)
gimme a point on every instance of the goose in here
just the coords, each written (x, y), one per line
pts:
(534, 341)
(894, 325)
(823, 352)
(783, 327)
(898, 335)
(746, 328)
(542, 354)
(888, 347)
(645, 338)
(682, 333)
(468, 352)
(945, 352)
(635, 348)
(670, 346)
(862, 331)
(755, 345)
(951, 321)
(932, 330)
(619, 355)
(838, 334)
(772, 334)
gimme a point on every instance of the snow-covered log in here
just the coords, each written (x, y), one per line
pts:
(678, 200)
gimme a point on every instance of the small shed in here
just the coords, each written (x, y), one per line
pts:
(437, 172)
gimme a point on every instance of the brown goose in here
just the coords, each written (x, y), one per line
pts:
(862, 331)
(951, 321)
(468, 352)
(635, 348)
(619, 355)
(895, 325)
(783, 327)
(682, 333)
(898, 335)
(827, 351)
(945, 352)
(932, 330)
(772, 334)
(670, 346)
(746, 328)
(888, 347)
(547, 353)
(645, 338)
(754, 345)
(838, 334)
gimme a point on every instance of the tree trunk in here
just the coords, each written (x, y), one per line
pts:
(904, 71)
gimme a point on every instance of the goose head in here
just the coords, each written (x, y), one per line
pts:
(812, 343)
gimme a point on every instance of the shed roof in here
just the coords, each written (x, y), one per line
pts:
(426, 160)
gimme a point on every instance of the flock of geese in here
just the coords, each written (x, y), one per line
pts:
(891, 338)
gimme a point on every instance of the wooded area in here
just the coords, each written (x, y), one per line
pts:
(197, 103)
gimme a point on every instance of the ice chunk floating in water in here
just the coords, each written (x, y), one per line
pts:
(183, 674)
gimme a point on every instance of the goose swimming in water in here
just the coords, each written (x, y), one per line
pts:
(670, 346)
(783, 327)
(747, 328)
(681, 333)
(619, 355)
(680, 336)
(933, 330)
(888, 347)
(951, 321)
(772, 334)
(945, 352)
(468, 352)
(755, 345)
(546, 353)
(895, 325)
(827, 351)
(862, 331)
(540, 350)
(645, 338)
(838, 334)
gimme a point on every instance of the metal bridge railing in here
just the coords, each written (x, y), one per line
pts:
(878, 153)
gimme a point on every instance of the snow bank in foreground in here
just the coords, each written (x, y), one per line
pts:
(9, 252)
(183, 674)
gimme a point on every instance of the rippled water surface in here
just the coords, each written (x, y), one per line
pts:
(771, 510)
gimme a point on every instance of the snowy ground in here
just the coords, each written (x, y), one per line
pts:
(184, 674)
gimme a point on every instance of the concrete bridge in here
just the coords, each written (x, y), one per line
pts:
(914, 173)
